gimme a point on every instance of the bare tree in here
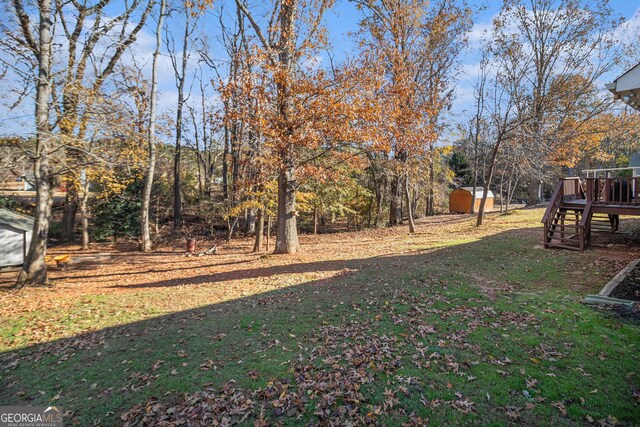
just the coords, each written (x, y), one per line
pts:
(180, 71)
(476, 127)
(562, 39)
(148, 179)
(34, 270)
(87, 29)
(507, 110)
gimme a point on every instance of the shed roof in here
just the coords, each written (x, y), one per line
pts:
(479, 191)
(16, 220)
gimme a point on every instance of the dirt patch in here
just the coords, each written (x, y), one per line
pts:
(629, 288)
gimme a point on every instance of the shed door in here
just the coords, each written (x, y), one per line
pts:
(11, 246)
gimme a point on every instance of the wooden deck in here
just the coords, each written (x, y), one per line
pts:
(579, 207)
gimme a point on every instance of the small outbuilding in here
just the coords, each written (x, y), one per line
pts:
(460, 200)
(15, 237)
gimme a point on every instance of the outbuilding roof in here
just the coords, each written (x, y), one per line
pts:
(479, 191)
(16, 220)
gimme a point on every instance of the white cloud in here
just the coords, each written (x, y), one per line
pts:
(479, 32)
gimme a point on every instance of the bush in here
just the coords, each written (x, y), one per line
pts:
(119, 215)
(6, 202)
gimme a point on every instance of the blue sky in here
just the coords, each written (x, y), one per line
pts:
(340, 21)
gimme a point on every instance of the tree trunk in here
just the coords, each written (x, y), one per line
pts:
(487, 182)
(412, 226)
(199, 162)
(378, 212)
(181, 77)
(268, 231)
(480, 106)
(225, 164)
(414, 204)
(257, 246)
(231, 227)
(535, 185)
(431, 199)
(315, 219)
(69, 211)
(401, 200)
(148, 180)
(177, 195)
(157, 221)
(483, 201)
(250, 221)
(512, 189)
(287, 233)
(426, 202)
(394, 208)
(34, 269)
(84, 214)
(235, 164)
(508, 195)
(472, 210)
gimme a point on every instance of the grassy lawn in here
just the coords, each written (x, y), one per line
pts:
(452, 326)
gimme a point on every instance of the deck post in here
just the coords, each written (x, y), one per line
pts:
(581, 237)
(545, 240)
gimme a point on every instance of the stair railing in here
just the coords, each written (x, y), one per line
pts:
(552, 208)
(565, 187)
(585, 226)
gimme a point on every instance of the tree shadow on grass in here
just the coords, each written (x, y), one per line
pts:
(100, 374)
(263, 272)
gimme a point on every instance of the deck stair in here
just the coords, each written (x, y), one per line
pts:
(565, 230)
(567, 223)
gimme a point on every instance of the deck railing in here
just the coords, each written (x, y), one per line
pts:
(618, 191)
(572, 188)
(613, 191)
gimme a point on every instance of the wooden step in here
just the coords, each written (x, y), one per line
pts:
(564, 240)
(564, 230)
(565, 235)
(569, 210)
(566, 225)
(554, 245)
(565, 214)
(575, 219)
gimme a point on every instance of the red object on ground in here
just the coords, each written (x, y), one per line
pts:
(191, 244)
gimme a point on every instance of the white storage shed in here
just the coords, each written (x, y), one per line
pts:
(15, 237)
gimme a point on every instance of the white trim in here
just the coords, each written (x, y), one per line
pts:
(627, 87)
(594, 172)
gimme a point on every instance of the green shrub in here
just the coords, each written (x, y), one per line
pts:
(119, 215)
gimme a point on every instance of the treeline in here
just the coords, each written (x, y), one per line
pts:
(263, 130)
